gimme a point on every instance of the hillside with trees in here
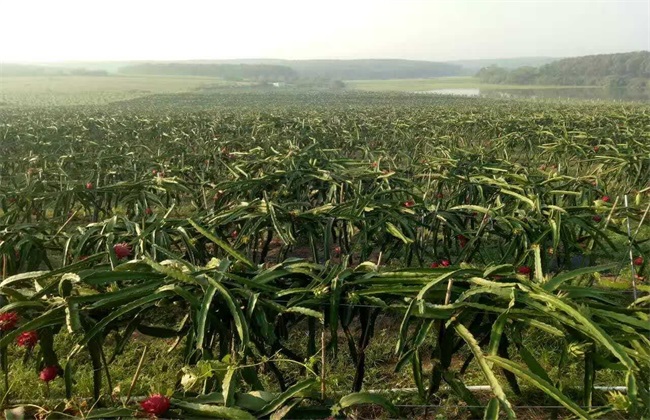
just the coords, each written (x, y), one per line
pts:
(256, 72)
(10, 69)
(615, 70)
(372, 69)
(472, 66)
(289, 70)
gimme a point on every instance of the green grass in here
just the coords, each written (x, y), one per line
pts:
(413, 85)
(162, 365)
(159, 373)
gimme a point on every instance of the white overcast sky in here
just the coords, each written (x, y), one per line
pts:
(52, 30)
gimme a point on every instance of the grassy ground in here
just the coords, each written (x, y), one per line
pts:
(87, 90)
(163, 362)
(413, 85)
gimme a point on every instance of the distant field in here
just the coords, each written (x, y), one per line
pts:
(100, 90)
(412, 85)
(85, 90)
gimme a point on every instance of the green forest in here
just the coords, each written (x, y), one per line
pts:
(11, 69)
(258, 72)
(291, 70)
(262, 70)
(630, 70)
(615, 70)
(372, 69)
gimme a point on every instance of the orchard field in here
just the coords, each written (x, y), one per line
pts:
(252, 254)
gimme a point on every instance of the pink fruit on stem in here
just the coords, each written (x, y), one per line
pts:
(27, 339)
(8, 321)
(49, 373)
(122, 250)
(524, 269)
(156, 404)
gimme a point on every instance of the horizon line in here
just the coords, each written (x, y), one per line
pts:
(46, 61)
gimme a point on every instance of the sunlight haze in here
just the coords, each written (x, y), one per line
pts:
(33, 31)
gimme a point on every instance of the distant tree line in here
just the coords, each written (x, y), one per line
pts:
(304, 70)
(87, 72)
(372, 69)
(615, 70)
(254, 72)
(32, 70)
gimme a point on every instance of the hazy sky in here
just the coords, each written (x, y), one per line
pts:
(48, 30)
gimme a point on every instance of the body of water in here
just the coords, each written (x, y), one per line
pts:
(555, 93)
